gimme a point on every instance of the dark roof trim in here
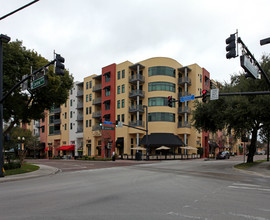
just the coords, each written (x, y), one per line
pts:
(182, 69)
(134, 67)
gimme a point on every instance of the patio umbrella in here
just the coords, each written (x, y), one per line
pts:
(163, 148)
(137, 148)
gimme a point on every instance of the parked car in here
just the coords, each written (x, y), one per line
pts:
(262, 152)
(223, 155)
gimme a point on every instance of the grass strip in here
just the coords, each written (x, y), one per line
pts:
(25, 168)
(248, 165)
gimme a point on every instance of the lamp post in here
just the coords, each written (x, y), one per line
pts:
(147, 141)
(3, 39)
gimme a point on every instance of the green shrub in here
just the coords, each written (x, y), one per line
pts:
(12, 165)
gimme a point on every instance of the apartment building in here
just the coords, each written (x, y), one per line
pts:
(124, 92)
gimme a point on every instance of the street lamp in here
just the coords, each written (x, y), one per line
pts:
(3, 39)
(21, 142)
(147, 141)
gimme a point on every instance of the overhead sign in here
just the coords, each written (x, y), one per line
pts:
(249, 67)
(187, 98)
(107, 128)
(214, 94)
(42, 81)
(107, 123)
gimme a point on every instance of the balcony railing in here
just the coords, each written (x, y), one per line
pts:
(184, 124)
(184, 80)
(137, 92)
(96, 114)
(137, 77)
(55, 121)
(97, 87)
(80, 117)
(80, 105)
(136, 108)
(79, 93)
(97, 101)
(96, 127)
(138, 123)
(184, 109)
(55, 110)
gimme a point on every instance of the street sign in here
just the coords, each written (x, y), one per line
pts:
(249, 67)
(107, 128)
(40, 82)
(214, 94)
(107, 123)
(120, 124)
(187, 98)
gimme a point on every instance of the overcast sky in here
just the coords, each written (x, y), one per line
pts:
(91, 34)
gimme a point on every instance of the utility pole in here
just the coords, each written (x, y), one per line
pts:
(3, 39)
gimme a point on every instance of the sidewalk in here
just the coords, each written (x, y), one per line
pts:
(42, 171)
(262, 169)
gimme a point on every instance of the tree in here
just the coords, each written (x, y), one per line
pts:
(243, 114)
(24, 107)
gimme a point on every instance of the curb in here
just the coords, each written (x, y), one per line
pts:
(43, 170)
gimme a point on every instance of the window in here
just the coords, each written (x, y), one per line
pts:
(86, 85)
(71, 92)
(123, 103)
(161, 116)
(86, 98)
(70, 126)
(123, 117)
(86, 123)
(65, 126)
(86, 112)
(65, 115)
(159, 101)
(107, 77)
(43, 129)
(90, 97)
(118, 117)
(123, 74)
(118, 89)
(118, 104)
(90, 84)
(70, 114)
(123, 88)
(118, 75)
(107, 91)
(161, 86)
(90, 110)
(90, 123)
(161, 70)
(107, 105)
(70, 102)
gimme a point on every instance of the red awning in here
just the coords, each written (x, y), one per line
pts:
(67, 147)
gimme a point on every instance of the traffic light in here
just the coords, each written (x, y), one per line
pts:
(116, 123)
(59, 66)
(231, 47)
(170, 101)
(204, 94)
(100, 122)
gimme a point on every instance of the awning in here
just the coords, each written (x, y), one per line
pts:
(162, 139)
(189, 148)
(67, 147)
(163, 148)
(137, 148)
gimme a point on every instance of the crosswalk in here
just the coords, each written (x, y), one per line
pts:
(244, 186)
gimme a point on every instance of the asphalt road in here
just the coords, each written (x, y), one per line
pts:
(195, 189)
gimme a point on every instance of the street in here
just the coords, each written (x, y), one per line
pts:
(193, 189)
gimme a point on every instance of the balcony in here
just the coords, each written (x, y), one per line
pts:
(79, 105)
(183, 80)
(80, 117)
(79, 130)
(135, 93)
(79, 93)
(136, 108)
(55, 110)
(137, 123)
(55, 121)
(96, 114)
(97, 88)
(137, 77)
(184, 109)
(55, 132)
(96, 127)
(97, 101)
(184, 124)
